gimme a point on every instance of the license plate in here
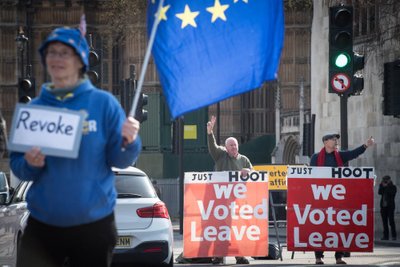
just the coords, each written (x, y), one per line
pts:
(124, 242)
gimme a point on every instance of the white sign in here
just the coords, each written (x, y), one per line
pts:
(56, 131)
(305, 172)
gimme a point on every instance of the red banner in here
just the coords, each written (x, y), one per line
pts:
(330, 209)
(225, 214)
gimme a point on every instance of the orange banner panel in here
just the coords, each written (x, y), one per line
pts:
(225, 216)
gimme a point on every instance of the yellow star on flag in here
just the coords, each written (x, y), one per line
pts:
(217, 11)
(188, 17)
(163, 13)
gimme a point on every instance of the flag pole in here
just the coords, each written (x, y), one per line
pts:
(146, 60)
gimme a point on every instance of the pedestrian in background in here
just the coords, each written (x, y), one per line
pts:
(388, 191)
(329, 156)
(227, 159)
(71, 201)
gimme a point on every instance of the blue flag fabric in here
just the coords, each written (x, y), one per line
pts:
(209, 50)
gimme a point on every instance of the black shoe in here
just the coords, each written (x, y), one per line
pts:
(385, 238)
(319, 261)
(242, 261)
(340, 261)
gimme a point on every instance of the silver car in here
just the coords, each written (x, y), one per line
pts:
(13, 216)
(145, 234)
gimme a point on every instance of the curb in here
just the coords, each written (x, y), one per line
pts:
(387, 243)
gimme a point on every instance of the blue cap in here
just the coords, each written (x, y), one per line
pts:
(71, 37)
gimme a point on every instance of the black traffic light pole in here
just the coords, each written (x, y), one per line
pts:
(21, 43)
(343, 63)
(343, 122)
(26, 83)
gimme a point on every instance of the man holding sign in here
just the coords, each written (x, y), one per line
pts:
(227, 159)
(71, 200)
(329, 156)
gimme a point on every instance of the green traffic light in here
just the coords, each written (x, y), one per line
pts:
(342, 60)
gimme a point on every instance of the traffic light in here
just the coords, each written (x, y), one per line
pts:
(94, 61)
(26, 89)
(141, 113)
(343, 62)
(340, 48)
(358, 80)
(391, 88)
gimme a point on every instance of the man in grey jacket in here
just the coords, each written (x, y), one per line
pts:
(227, 159)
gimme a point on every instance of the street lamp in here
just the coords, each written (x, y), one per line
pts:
(21, 42)
(26, 83)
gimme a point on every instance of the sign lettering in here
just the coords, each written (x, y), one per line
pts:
(56, 131)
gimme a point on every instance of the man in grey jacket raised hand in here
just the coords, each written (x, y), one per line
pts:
(227, 159)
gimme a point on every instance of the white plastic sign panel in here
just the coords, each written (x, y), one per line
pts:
(58, 132)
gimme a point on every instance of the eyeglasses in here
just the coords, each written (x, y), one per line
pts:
(62, 54)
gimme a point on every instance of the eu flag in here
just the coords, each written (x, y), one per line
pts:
(210, 50)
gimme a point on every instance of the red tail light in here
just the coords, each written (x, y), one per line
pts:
(158, 210)
(153, 250)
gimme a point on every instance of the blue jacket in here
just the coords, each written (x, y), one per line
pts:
(68, 192)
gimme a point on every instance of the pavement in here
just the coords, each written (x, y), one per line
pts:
(386, 253)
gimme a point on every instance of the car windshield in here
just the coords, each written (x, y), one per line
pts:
(133, 186)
